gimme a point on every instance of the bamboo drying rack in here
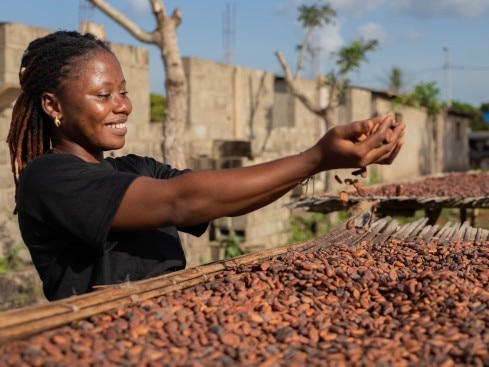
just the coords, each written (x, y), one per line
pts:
(395, 205)
(24, 322)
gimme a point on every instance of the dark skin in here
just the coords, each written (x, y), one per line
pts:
(94, 106)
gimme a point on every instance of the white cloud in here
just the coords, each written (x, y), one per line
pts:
(328, 40)
(354, 8)
(343, 8)
(411, 36)
(447, 8)
(140, 7)
(373, 31)
(288, 7)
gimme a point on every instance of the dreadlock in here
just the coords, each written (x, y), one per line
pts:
(45, 63)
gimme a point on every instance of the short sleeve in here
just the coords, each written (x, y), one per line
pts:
(65, 193)
(148, 166)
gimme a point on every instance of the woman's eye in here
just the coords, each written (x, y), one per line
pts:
(104, 96)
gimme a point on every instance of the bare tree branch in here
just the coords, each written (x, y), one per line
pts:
(302, 53)
(125, 22)
(159, 11)
(177, 17)
(294, 89)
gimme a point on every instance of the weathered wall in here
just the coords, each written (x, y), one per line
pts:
(228, 103)
(432, 145)
(455, 143)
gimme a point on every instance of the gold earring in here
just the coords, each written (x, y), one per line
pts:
(57, 121)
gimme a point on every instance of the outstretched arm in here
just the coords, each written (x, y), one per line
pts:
(201, 196)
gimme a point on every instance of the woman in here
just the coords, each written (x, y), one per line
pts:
(89, 220)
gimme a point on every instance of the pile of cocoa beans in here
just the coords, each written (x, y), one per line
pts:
(372, 304)
(466, 184)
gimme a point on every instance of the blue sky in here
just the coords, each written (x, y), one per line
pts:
(412, 35)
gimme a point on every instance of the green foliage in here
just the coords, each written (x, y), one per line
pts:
(485, 107)
(395, 80)
(314, 15)
(232, 248)
(464, 107)
(373, 176)
(350, 57)
(11, 261)
(423, 95)
(306, 226)
(3, 266)
(476, 121)
(157, 108)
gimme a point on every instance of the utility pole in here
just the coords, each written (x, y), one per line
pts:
(448, 82)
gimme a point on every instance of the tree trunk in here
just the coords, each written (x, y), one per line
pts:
(165, 37)
(173, 146)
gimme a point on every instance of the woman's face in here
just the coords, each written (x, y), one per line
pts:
(94, 107)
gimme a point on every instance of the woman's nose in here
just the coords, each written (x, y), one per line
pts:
(122, 104)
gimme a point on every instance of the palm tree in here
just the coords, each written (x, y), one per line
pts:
(311, 17)
(395, 80)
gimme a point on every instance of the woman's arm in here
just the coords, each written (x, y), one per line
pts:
(201, 196)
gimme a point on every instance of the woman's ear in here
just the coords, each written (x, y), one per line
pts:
(50, 105)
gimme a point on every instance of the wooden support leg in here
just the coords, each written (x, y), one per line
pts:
(473, 216)
(432, 214)
(463, 215)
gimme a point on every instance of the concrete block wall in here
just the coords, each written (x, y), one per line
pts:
(226, 103)
(233, 103)
(454, 140)
(14, 39)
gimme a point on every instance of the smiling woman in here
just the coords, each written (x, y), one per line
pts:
(90, 220)
(94, 106)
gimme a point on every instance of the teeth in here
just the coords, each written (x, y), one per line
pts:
(117, 126)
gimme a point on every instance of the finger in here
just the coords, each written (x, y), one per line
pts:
(355, 129)
(396, 151)
(399, 129)
(389, 156)
(378, 138)
(390, 134)
(359, 131)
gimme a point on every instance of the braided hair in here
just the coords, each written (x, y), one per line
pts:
(45, 63)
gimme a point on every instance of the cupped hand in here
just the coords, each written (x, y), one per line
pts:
(361, 143)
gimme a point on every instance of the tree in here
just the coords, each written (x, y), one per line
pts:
(165, 38)
(424, 95)
(477, 119)
(311, 17)
(395, 80)
(348, 59)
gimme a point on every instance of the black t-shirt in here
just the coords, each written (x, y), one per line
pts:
(66, 207)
